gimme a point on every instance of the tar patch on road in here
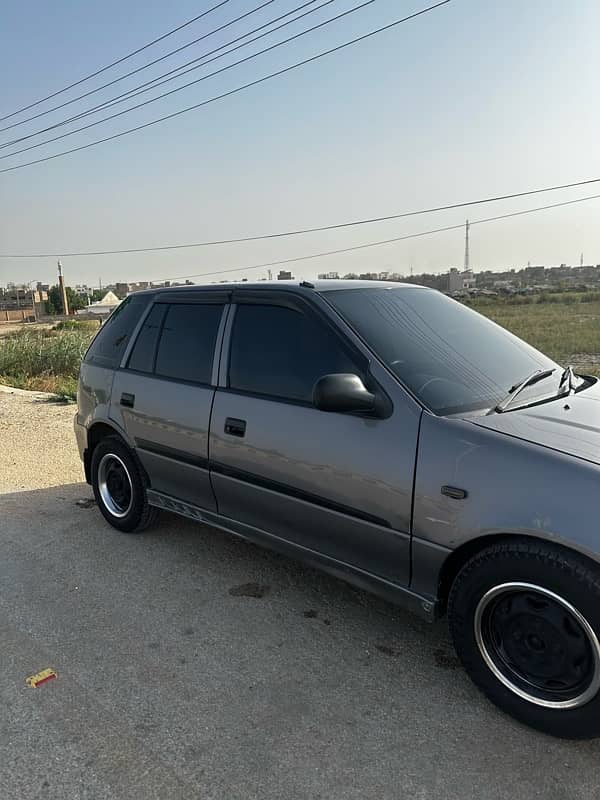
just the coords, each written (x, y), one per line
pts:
(446, 660)
(250, 590)
(86, 502)
(312, 614)
(387, 651)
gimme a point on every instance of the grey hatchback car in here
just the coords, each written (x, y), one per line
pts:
(385, 433)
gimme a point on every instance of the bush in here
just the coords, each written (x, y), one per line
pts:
(88, 325)
(45, 360)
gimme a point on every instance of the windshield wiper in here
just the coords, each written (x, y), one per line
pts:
(515, 390)
(567, 381)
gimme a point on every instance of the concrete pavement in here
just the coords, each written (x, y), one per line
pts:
(194, 665)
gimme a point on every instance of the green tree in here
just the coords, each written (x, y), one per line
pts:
(54, 302)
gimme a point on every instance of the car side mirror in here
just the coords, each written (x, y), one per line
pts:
(342, 392)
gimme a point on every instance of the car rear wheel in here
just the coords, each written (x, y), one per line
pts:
(525, 619)
(119, 486)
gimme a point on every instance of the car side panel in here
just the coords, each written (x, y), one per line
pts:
(338, 484)
(512, 486)
(93, 393)
(168, 427)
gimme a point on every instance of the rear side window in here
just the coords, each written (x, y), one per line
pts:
(187, 342)
(110, 342)
(282, 352)
(144, 349)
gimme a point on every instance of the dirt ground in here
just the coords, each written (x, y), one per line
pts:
(190, 664)
(12, 327)
(37, 443)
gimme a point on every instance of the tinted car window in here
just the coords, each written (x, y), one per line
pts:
(144, 349)
(187, 342)
(452, 358)
(110, 342)
(281, 352)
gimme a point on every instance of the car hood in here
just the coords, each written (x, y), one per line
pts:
(568, 424)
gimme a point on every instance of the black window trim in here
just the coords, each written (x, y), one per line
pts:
(297, 303)
(104, 361)
(374, 355)
(274, 398)
(134, 337)
(182, 299)
(200, 296)
(136, 333)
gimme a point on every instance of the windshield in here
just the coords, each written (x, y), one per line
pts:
(452, 358)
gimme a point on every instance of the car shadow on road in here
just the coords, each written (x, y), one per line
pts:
(288, 659)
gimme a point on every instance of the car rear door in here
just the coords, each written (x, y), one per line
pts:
(338, 484)
(162, 395)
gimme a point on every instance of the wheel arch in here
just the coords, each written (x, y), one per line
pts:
(97, 432)
(456, 560)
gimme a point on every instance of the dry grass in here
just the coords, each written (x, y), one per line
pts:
(45, 360)
(567, 328)
(560, 330)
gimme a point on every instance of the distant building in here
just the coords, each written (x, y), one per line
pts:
(459, 281)
(15, 297)
(102, 307)
(329, 276)
(83, 290)
(122, 289)
(284, 275)
(132, 287)
(534, 273)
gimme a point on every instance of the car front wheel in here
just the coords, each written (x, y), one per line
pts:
(119, 486)
(525, 619)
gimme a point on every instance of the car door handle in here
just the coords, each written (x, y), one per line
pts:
(235, 427)
(127, 400)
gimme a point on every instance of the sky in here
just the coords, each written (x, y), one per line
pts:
(471, 100)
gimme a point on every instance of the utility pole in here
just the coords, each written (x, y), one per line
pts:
(63, 290)
(581, 260)
(467, 226)
(33, 294)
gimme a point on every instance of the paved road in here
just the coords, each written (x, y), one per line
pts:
(174, 683)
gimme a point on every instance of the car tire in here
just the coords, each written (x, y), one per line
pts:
(525, 620)
(120, 487)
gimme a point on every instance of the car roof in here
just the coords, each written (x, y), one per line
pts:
(298, 286)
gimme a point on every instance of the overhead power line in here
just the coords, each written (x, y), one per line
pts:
(154, 83)
(227, 67)
(231, 91)
(366, 245)
(141, 68)
(303, 231)
(118, 61)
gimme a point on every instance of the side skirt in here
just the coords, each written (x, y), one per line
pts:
(424, 606)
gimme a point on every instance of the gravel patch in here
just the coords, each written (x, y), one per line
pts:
(583, 361)
(38, 447)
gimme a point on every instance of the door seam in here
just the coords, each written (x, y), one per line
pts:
(212, 405)
(412, 503)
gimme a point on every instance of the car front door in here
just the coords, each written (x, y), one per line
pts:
(333, 483)
(162, 395)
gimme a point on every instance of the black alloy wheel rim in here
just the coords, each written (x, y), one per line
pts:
(538, 645)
